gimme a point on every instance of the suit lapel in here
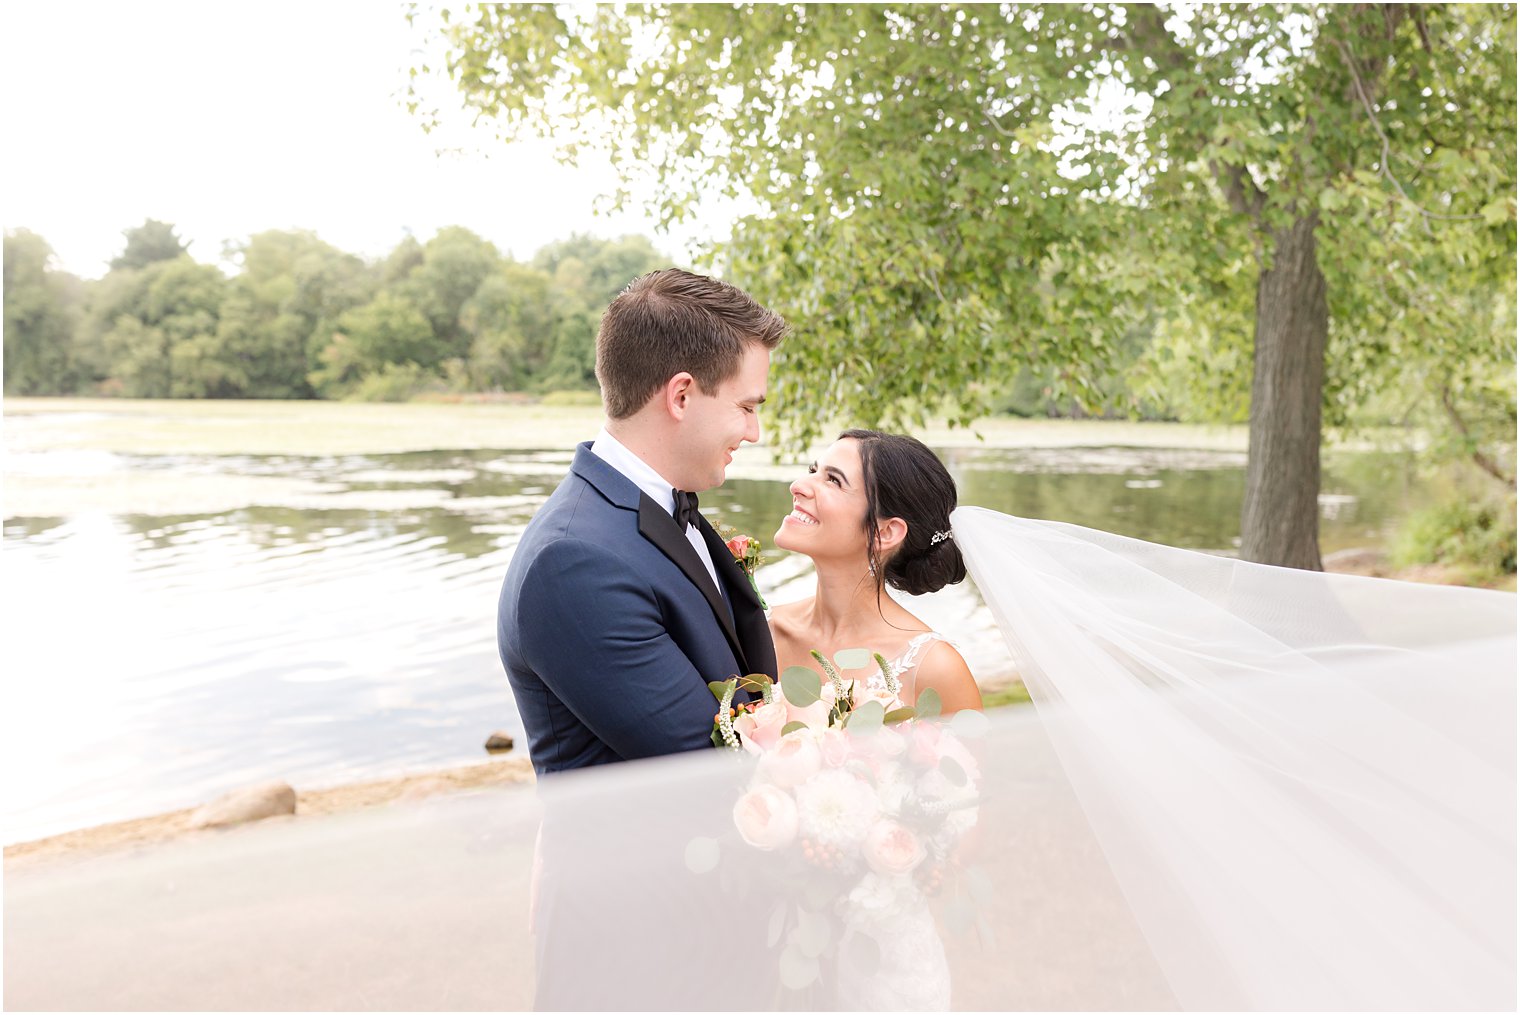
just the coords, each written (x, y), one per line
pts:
(749, 616)
(656, 525)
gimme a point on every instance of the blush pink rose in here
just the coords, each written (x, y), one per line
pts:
(925, 749)
(816, 715)
(760, 729)
(766, 817)
(792, 761)
(889, 701)
(834, 747)
(892, 849)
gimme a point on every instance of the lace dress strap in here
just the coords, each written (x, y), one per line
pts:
(906, 662)
(909, 658)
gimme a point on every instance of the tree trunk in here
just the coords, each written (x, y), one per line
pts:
(1279, 523)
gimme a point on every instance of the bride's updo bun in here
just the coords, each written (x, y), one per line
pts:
(904, 479)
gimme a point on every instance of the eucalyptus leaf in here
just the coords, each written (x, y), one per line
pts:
(755, 682)
(801, 685)
(898, 715)
(928, 703)
(793, 727)
(797, 969)
(702, 854)
(952, 770)
(968, 724)
(776, 926)
(852, 658)
(717, 687)
(813, 932)
(867, 718)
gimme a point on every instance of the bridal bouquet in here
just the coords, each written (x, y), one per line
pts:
(807, 701)
(858, 803)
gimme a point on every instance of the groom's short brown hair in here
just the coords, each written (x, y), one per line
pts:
(671, 320)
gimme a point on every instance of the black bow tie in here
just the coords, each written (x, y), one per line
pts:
(686, 509)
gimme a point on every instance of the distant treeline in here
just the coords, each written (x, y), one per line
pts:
(303, 319)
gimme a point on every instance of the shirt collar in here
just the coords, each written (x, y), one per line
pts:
(633, 468)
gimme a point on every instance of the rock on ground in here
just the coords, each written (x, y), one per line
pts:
(252, 803)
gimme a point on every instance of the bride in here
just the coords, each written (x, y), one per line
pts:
(873, 511)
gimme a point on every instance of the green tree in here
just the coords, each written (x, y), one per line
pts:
(952, 194)
(156, 327)
(286, 299)
(454, 264)
(510, 321)
(148, 243)
(389, 331)
(42, 310)
(587, 273)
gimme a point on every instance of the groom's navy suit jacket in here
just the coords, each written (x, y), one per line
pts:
(609, 626)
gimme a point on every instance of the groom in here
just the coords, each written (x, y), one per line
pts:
(621, 602)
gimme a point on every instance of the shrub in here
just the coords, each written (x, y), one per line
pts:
(1477, 536)
(393, 382)
(571, 398)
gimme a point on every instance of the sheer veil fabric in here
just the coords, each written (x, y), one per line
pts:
(1241, 787)
(1304, 782)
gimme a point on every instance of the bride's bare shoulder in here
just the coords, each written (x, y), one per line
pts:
(944, 669)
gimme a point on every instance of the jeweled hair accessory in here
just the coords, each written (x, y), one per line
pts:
(939, 536)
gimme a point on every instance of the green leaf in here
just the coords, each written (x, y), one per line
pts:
(968, 723)
(776, 926)
(793, 727)
(852, 658)
(813, 932)
(867, 718)
(756, 682)
(801, 685)
(1496, 213)
(928, 703)
(717, 687)
(898, 715)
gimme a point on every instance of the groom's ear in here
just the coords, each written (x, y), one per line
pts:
(677, 394)
(890, 532)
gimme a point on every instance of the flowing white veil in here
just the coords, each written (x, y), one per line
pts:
(1242, 787)
(1304, 782)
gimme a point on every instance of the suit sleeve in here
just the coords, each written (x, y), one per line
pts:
(592, 630)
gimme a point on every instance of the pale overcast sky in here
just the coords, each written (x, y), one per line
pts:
(229, 119)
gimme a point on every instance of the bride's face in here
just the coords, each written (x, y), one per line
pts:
(828, 506)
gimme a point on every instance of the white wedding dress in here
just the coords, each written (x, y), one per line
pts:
(1241, 787)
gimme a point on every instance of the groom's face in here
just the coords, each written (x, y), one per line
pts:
(715, 425)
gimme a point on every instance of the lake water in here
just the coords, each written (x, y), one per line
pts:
(333, 617)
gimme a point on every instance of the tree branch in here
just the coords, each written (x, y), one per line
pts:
(1484, 462)
(1361, 91)
(1240, 190)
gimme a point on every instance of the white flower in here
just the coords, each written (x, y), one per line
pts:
(836, 809)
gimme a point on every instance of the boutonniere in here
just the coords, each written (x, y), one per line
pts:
(746, 551)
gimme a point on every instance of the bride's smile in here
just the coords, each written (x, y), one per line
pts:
(829, 496)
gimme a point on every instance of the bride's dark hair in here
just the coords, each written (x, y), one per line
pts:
(904, 479)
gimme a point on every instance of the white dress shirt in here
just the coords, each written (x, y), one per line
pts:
(639, 472)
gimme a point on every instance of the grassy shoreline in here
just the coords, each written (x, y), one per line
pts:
(184, 426)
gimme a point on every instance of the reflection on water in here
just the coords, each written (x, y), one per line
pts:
(346, 629)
